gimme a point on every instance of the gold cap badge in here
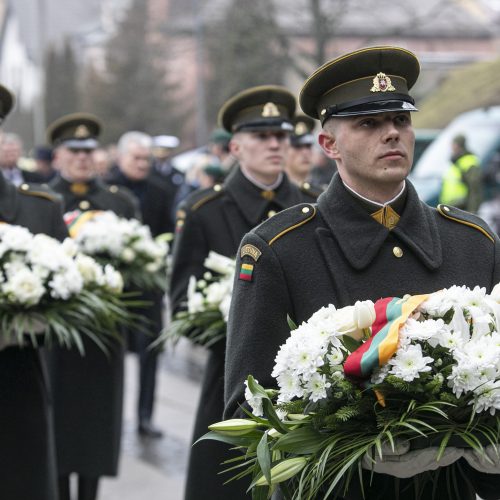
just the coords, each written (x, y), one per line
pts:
(382, 83)
(301, 128)
(269, 110)
(81, 132)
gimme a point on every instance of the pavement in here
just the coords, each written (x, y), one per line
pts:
(156, 468)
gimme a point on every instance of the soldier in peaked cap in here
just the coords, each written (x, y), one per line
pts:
(216, 219)
(27, 459)
(300, 155)
(87, 421)
(369, 236)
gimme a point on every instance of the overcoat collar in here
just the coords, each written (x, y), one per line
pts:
(248, 197)
(8, 200)
(360, 237)
(64, 185)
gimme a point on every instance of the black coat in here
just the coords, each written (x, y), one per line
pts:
(88, 390)
(335, 252)
(27, 455)
(216, 219)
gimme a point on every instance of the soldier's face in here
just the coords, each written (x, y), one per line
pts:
(373, 153)
(76, 165)
(10, 152)
(299, 160)
(135, 162)
(261, 154)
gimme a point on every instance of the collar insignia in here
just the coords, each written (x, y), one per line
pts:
(270, 110)
(382, 83)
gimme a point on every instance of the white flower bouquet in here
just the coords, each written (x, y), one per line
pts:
(423, 370)
(204, 321)
(126, 244)
(48, 290)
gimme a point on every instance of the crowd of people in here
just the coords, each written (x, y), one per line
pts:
(264, 191)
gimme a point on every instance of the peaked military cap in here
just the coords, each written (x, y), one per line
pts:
(6, 102)
(303, 127)
(267, 107)
(165, 141)
(77, 130)
(366, 81)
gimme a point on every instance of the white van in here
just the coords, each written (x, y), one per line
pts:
(481, 128)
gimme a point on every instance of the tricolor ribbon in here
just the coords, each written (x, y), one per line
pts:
(76, 219)
(391, 314)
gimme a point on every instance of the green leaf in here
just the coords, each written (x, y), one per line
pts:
(302, 441)
(349, 343)
(264, 458)
(291, 324)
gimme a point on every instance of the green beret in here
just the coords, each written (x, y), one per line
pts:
(303, 128)
(367, 81)
(267, 107)
(6, 101)
(77, 130)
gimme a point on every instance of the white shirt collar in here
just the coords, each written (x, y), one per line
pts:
(376, 202)
(264, 187)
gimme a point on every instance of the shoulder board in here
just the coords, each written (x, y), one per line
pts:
(311, 190)
(39, 191)
(283, 222)
(466, 218)
(197, 199)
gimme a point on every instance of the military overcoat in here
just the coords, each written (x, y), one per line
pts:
(88, 390)
(335, 252)
(27, 452)
(216, 219)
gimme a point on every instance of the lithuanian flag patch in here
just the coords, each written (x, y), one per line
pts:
(246, 272)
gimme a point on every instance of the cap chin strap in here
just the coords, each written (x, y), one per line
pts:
(263, 125)
(369, 105)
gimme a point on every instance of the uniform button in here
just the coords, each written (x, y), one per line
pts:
(306, 185)
(113, 189)
(84, 205)
(397, 252)
(271, 213)
(306, 210)
(446, 209)
(217, 187)
(24, 187)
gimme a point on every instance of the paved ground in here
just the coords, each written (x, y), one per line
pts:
(155, 469)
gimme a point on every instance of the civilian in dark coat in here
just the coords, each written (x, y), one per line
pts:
(369, 236)
(156, 205)
(216, 219)
(88, 390)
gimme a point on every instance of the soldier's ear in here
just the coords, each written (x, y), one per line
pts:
(328, 144)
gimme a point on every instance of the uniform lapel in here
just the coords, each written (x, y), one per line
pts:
(360, 238)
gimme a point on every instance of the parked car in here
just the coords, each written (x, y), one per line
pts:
(481, 128)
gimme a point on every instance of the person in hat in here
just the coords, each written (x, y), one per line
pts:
(27, 458)
(87, 420)
(369, 236)
(43, 157)
(216, 219)
(299, 160)
(462, 183)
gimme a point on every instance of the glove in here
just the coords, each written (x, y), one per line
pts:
(487, 462)
(403, 463)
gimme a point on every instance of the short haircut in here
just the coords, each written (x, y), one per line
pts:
(134, 137)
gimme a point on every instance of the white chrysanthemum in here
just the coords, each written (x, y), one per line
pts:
(380, 373)
(91, 271)
(113, 279)
(317, 386)
(335, 357)
(487, 397)
(219, 263)
(422, 330)
(16, 238)
(409, 362)
(24, 287)
(65, 284)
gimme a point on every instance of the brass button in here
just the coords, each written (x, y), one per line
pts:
(180, 222)
(446, 209)
(306, 210)
(84, 205)
(271, 213)
(24, 187)
(397, 252)
(113, 189)
(306, 185)
(217, 187)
